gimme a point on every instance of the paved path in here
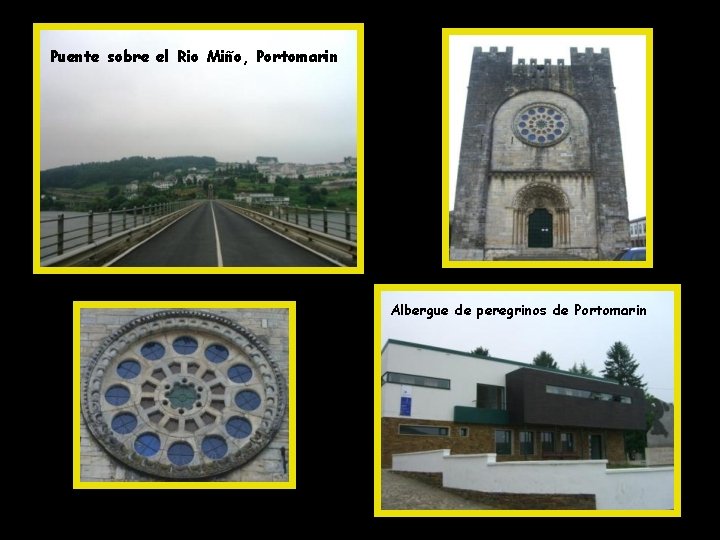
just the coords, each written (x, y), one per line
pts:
(194, 241)
(402, 493)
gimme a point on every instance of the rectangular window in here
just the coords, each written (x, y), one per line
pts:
(526, 443)
(503, 441)
(464, 432)
(566, 442)
(436, 431)
(548, 441)
(490, 397)
(574, 392)
(416, 380)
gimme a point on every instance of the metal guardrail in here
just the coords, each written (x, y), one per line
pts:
(340, 223)
(102, 249)
(335, 247)
(73, 231)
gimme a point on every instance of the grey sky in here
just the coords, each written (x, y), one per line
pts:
(299, 112)
(568, 338)
(628, 61)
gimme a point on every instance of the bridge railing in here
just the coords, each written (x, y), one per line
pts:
(340, 223)
(64, 232)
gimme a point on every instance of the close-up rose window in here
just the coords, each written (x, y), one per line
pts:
(183, 394)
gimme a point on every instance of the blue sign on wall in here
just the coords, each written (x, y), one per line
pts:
(405, 406)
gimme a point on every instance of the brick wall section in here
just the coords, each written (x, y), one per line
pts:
(481, 440)
(528, 501)
(268, 325)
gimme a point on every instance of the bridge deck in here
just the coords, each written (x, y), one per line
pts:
(192, 241)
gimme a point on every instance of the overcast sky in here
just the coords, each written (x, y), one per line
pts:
(627, 54)
(568, 338)
(299, 112)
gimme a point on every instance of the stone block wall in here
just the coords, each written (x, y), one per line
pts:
(481, 440)
(269, 325)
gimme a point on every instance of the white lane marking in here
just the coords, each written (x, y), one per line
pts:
(217, 236)
(336, 263)
(125, 253)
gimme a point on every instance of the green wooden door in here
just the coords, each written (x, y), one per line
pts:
(540, 228)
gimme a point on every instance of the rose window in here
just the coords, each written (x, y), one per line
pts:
(183, 394)
(541, 125)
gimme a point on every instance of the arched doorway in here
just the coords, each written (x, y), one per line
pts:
(541, 216)
(540, 229)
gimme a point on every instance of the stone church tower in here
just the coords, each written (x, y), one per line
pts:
(541, 168)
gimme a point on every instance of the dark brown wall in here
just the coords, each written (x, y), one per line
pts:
(529, 403)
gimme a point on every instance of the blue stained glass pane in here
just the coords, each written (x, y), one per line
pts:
(185, 345)
(153, 351)
(216, 353)
(541, 139)
(214, 447)
(117, 395)
(531, 137)
(247, 400)
(147, 444)
(238, 427)
(551, 137)
(524, 132)
(560, 124)
(541, 109)
(558, 132)
(128, 369)
(124, 423)
(239, 373)
(180, 453)
(558, 117)
(531, 111)
(524, 117)
(522, 124)
(551, 112)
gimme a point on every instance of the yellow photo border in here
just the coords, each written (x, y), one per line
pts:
(202, 484)
(382, 288)
(359, 28)
(446, 33)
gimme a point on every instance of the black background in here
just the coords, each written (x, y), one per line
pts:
(335, 331)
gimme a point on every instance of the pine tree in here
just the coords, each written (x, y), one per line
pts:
(582, 369)
(621, 366)
(482, 352)
(545, 359)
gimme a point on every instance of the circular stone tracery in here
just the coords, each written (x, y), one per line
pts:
(183, 394)
(541, 124)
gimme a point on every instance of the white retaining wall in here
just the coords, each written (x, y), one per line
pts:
(650, 488)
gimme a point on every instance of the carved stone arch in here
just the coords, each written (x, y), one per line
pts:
(541, 195)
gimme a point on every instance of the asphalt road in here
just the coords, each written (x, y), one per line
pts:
(192, 241)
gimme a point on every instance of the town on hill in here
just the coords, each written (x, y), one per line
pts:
(138, 181)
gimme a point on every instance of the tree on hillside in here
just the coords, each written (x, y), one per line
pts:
(582, 369)
(482, 352)
(621, 366)
(545, 359)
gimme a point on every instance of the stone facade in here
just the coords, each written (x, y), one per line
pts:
(480, 439)
(578, 177)
(270, 326)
